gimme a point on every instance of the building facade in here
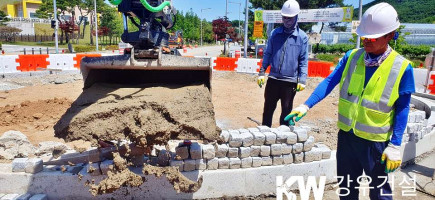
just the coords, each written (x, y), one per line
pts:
(20, 8)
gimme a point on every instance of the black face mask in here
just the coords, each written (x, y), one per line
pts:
(290, 22)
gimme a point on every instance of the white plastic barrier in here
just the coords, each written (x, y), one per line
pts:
(8, 64)
(61, 61)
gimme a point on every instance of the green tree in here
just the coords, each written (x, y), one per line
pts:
(3, 18)
(112, 20)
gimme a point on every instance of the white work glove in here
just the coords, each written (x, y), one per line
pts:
(297, 114)
(300, 87)
(393, 157)
(260, 81)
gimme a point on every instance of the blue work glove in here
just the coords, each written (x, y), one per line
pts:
(297, 114)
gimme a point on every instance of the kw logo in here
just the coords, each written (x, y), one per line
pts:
(282, 188)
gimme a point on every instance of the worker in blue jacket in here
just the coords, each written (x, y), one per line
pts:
(287, 54)
(376, 84)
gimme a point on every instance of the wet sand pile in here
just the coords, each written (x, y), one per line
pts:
(117, 176)
(147, 114)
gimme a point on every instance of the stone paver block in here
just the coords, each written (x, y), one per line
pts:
(208, 151)
(281, 137)
(292, 138)
(233, 152)
(298, 158)
(39, 197)
(189, 165)
(326, 151)
(286, 148)
(182, 152)
(287, 159)
(195, 151)
(270, 138)
(266, 161)
(233, 131)
(24, 197)
(10, 197)
(412, 127)
(163, 158)
(34, 165)
(255, 151)
(284, 128)
(317, 153)
(256, 161)
(263, 128)
(297, 148)
(246, 162)
(225, 136)
(243, 130)
(235, 163)
(278, 160)
(19, 164)
(259, 138)
(411, 117)
(306, 128)
(177, 163)
(264, 151)
(252, 130)
(302, 134)
(222, 150)
(308, 144)
(224, 163)
(200, 164)
(236, 139)
(276, 149)
(308, 156)
(244, 152)
(248, 139)
(213, 164)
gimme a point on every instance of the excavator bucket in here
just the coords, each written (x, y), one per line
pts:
(125, 69)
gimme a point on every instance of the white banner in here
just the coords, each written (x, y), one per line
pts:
(343, 14)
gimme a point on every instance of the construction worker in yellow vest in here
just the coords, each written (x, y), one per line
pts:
(376, 84)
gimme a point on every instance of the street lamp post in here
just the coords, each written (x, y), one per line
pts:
(240, 4)
(56, 27)
(246, 29)
(96, 24)
(201, 21)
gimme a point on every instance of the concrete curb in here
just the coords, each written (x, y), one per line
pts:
(217, 183)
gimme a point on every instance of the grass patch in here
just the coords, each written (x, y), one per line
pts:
(329, 57)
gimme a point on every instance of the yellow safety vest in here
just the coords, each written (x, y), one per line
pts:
(369, 111)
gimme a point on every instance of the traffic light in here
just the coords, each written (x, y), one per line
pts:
(53, 23)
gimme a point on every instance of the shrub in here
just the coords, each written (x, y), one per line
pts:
(335, 48)
(329, 57)
(83, 48)
(112, 47)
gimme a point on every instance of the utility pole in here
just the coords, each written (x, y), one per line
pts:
(358, 39)
(226, 8)
(201, 22)
(240, 4)
(246, 29)
(56, 28)
(96, 23)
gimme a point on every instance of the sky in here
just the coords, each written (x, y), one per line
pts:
(217, 7)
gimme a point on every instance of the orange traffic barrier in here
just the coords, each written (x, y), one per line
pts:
(29, 63)
(431, 87)
(225, 64)
(319, 68)
(260, 64)
(78, 58)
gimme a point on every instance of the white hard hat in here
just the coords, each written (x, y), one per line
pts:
(378, 20)
(290, 8)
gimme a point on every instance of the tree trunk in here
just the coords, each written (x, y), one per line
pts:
(61, 36)
(320, 32)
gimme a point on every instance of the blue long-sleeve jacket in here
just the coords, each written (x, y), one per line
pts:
(292, 65)
(406, 88)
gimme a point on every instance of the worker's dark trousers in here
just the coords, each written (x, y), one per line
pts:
(278, 90)
(354, 155)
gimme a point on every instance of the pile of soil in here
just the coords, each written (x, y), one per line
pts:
(145, 114)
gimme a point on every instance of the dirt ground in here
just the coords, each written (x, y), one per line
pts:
(37, 107)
